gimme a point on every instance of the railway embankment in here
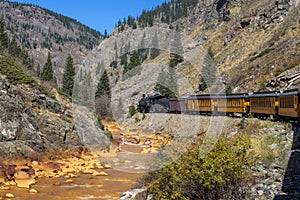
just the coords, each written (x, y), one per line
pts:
(274, 173)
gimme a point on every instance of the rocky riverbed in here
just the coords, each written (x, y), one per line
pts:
(82, 175)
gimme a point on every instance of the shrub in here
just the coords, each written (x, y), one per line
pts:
(221, 174)
(262, 53)
(279, 70)
(132, 111)
(15, 74)
(100, 124)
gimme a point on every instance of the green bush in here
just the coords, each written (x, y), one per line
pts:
(100, 124)
(222, 174)
(132, 111)
(15, 74)
(262, 53)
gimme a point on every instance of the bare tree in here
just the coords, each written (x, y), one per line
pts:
(103, 106)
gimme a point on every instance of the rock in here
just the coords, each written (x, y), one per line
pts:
(4, 83)
(260, 192)
(107, 166)
(69, 181)
(21, 175)
(100, 174)
(9, 195)
(135, 194)
(4, 187)
(33, 191)
(108, 134)
(25, 183)
(89, 171)
(54, 106)
(71, 176)
(35, 163)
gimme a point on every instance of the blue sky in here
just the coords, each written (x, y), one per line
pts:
(97, 14)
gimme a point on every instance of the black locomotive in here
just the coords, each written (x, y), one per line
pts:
(155, 103)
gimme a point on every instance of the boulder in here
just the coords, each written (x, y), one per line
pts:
(54, 106)
(4, 84)
(135, 194)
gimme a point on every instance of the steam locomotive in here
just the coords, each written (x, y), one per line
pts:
(259, 104)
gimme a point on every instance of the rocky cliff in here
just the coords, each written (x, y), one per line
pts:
(32, 123)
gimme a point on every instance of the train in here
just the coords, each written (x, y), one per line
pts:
(276, 104)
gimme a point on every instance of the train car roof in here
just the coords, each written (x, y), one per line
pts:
(219, 96)
(264, 94)
(231, 96)
(200, 96)
(177, 99)
(290, 92)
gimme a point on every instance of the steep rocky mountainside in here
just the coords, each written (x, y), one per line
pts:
(41, 30)
(33, 119)
(260, 41)
(249, 43)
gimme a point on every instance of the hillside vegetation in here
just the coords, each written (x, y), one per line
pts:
(41, 31)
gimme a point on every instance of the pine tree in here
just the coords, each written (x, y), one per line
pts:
(4, 41)
(103, 87)
(124, 60)
(47, 73)
(14, 49)
(209, 69)
(134, 62)
(38, 70)
(105, 33)
(176, 50)
(166, 83)
(68, 77)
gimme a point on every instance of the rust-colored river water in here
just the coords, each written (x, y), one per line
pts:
(84, 187)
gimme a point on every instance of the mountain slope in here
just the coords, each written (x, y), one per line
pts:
(249, 42)
(41, 30)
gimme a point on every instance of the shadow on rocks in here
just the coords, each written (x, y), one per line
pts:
(291, 183)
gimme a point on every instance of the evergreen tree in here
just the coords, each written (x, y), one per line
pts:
(47, 73)
(14, 49)
(105, 33)
(116, 50)
(68, 77)
(124, 59)
(134, 62)
(166, 83)
(4, 41)
(176, 50)
(103, 87)
(209, 69)
(38, 70)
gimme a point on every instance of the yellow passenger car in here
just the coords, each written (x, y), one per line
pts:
(200, 103)
(233, 103)
(264, 103)
(289, 103)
